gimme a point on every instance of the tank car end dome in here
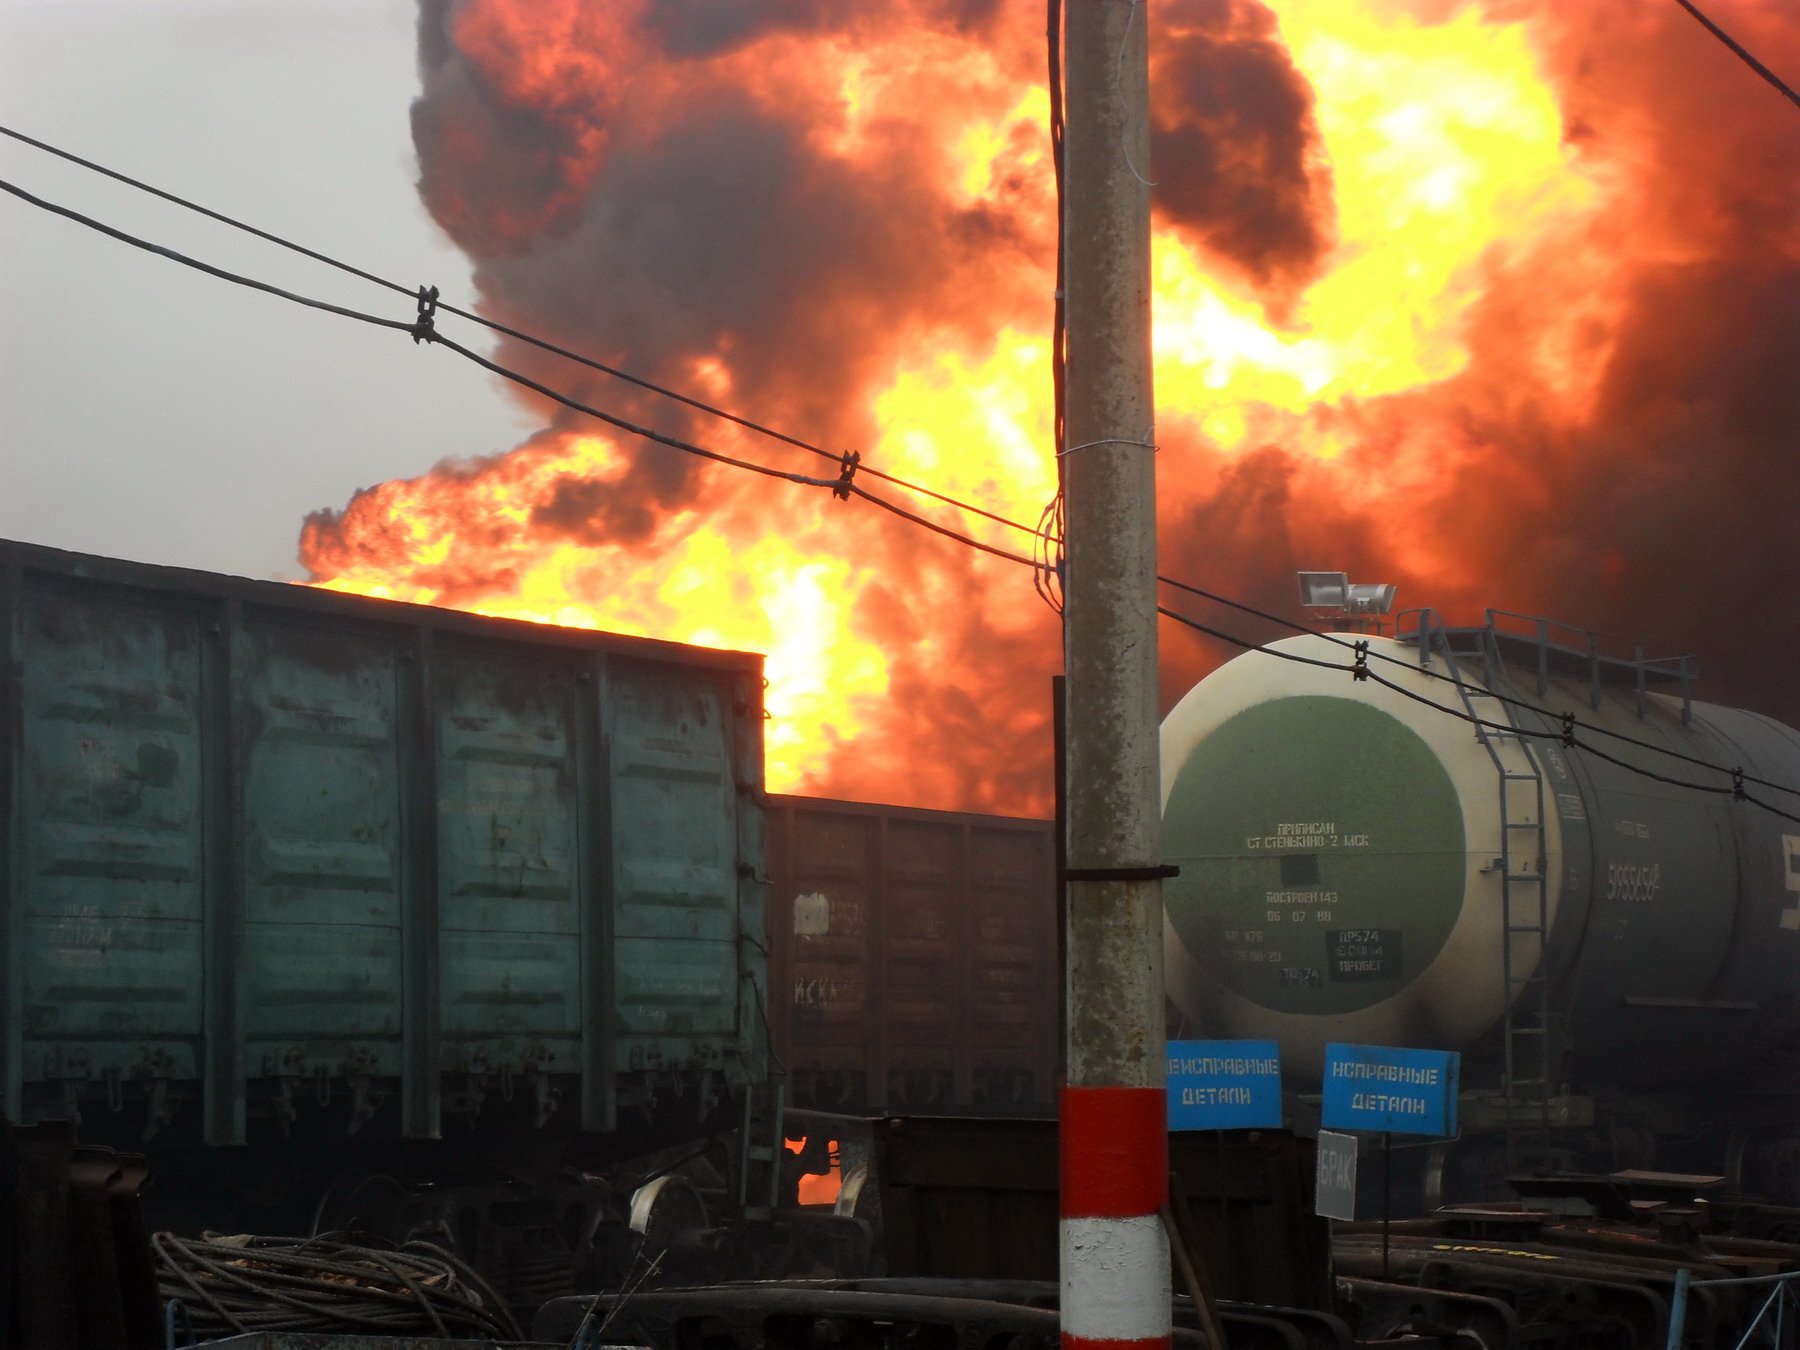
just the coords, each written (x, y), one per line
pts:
(1335, 840)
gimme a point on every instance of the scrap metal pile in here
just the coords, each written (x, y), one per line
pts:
(963, 1252)
(967, 1212)
(1599, 1265)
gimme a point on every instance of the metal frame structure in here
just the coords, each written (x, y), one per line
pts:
(1526, 1086)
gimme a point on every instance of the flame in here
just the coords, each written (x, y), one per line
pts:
(882, 279)
(1446, 147)
(820, 1188)
(788, 601)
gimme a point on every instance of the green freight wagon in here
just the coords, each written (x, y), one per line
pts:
(279, 864)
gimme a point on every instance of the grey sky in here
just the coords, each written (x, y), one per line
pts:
(150, 412)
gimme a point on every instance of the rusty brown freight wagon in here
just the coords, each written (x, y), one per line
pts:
(913, 959)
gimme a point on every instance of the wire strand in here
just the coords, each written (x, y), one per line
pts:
(1507, 728)
(838, 485)
(196, 264)
(506, 330)
(844, 486)
(1510, 700)
(624, 424)
(1742, 53)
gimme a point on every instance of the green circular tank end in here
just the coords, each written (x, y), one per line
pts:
(1322, 854)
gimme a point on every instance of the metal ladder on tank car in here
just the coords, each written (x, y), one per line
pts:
(1526, 1086)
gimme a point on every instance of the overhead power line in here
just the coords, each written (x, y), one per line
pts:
(1512, 701)
(1361, 671)
(195, 263)
(1743, 53)
(844, 486)
(494, 325)
(1046, 535)
(423, 329)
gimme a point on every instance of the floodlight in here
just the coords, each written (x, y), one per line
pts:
(1324, 590)
(1370, 598)
(1335, 591)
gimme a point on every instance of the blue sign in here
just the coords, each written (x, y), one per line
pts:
(1224, 1085)
(1380, 1087)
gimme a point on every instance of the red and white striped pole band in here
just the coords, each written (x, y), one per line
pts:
(1115, 1255)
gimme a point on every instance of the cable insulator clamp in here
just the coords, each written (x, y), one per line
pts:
(1568, 730)
(423, 329)
(1737, 784)
(850, 459)
(1360, 671)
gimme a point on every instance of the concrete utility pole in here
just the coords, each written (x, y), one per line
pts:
(1115, 1178)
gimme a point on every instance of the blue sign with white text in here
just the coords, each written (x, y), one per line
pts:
(1383, 1087)
(1224, 1085)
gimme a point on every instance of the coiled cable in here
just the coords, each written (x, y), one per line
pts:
(325, 1284)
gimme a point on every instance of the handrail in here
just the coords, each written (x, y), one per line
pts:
(1684, 1281)
(1785, 1277)
(1546, 636)
(1575, 628)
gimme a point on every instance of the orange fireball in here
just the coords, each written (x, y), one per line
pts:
(1421, 267)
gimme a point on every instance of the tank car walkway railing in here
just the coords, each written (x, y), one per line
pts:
(1546, 647)
(1771, 1314)
(1526, 1087)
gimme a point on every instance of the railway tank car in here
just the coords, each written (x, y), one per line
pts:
(1617, 957)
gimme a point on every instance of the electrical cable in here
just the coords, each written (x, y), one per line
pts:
(1362, 671)
(423, 329)
(1049, 534)
(841, 486)
(425, 332)
(1741, 51)
(661, 438)
(207, 211)
(325, 1284)
(506, 330)
(1508, 699)
(844, 487)
(195, 263)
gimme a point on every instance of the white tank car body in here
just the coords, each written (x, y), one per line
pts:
(1341, 847)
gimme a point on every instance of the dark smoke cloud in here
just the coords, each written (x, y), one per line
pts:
(497, 171)
(690, 28)
(1669, 518)
(726, 231)
(1234, 149)
(590, 509)
(703, 28)
(717, 223)
(1266, 516)
(712, 226)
